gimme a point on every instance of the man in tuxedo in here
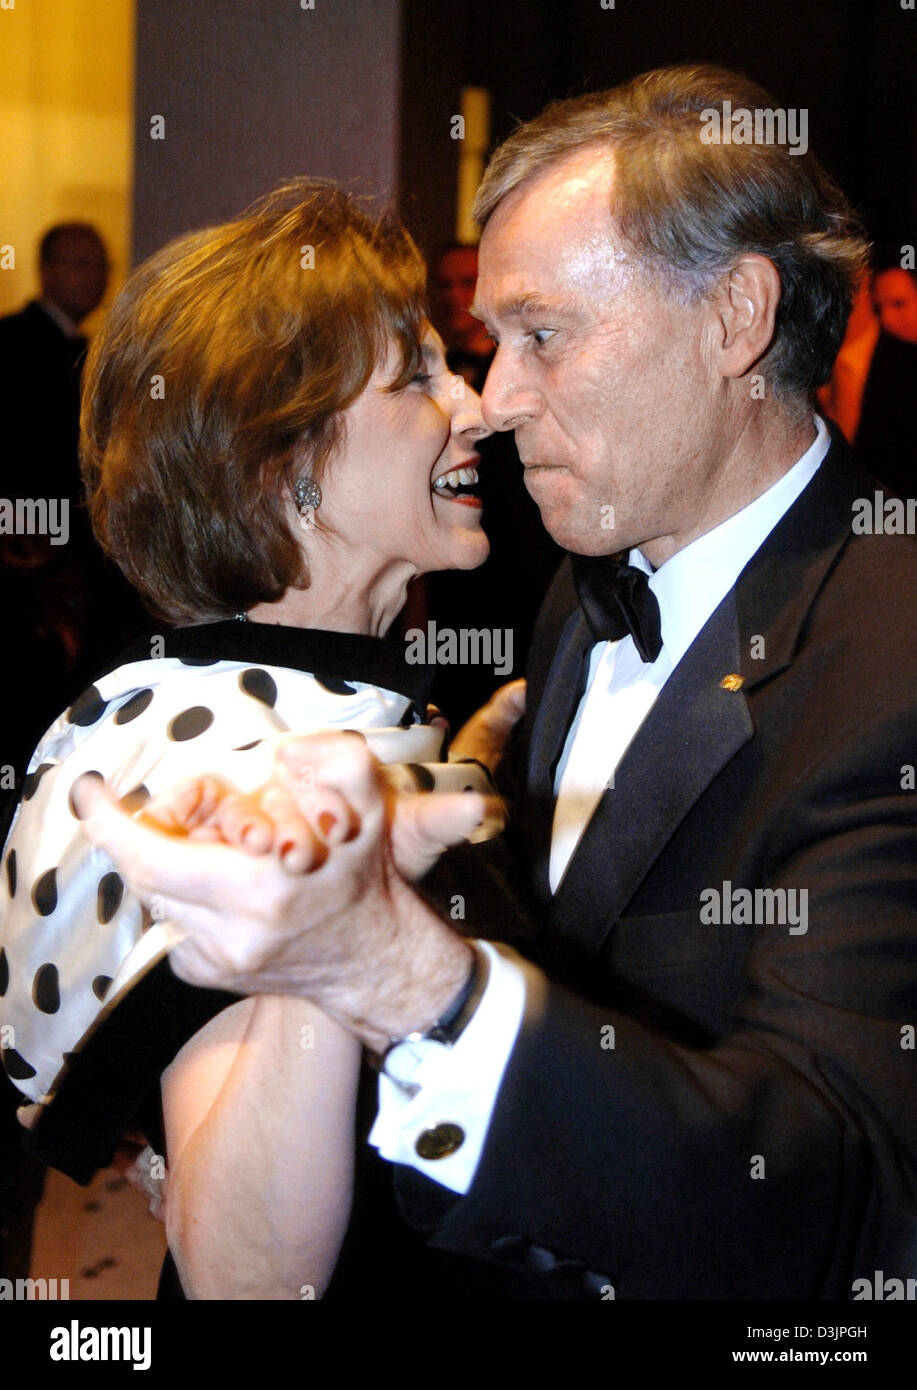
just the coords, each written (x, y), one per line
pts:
(705, 1087)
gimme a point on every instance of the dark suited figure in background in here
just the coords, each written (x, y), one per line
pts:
(42, 587)
(886, 439)
(507, 591)
(59, 602)
(41, 350)
(64, 606)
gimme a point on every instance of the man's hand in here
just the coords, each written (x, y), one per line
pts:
(485, 735)
(343, 929)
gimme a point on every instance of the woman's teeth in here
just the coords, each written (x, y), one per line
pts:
(456, 479)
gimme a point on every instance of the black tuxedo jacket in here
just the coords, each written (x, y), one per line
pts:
(752, 1131)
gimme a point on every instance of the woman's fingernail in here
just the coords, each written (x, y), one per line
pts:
(326, 822)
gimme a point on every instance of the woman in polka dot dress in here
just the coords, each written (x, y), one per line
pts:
(273, 448)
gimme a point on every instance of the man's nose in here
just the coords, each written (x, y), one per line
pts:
(507, 400)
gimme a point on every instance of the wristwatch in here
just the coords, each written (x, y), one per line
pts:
(404, 1057)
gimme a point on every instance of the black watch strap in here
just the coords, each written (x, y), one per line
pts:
(450, 1026)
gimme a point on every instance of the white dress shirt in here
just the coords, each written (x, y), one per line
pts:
(459, 1085)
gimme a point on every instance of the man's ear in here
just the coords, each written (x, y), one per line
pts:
(746, 309)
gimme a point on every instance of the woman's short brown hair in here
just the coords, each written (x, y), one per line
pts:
(690, 209)
(220, 375)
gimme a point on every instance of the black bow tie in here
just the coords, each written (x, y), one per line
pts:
(617, 599)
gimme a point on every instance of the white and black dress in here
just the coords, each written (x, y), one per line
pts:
(92, 1015)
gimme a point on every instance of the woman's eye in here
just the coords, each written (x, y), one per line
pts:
(422, 378)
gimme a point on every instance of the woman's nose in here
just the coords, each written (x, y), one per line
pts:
(468, 415)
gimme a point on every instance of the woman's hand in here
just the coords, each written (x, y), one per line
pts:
(344, 930)
(485, 736)
(268, 821)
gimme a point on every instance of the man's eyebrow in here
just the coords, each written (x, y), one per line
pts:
(524, 304)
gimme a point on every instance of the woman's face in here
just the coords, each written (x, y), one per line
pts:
(402, 485)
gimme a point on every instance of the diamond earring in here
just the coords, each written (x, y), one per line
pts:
(308, 494)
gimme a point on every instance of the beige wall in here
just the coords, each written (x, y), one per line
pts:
(66, 113)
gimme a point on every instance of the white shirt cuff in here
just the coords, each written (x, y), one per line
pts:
(458, 1085)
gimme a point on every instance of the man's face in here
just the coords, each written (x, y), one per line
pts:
(453, 282)
(607, 380)
(75, 277)
(894, 294)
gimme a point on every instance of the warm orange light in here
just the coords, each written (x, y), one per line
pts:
(66, 112)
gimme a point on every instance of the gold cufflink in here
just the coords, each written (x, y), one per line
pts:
(440, 1141)
(732, 682)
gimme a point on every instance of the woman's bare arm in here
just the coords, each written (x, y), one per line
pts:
(259, 1113)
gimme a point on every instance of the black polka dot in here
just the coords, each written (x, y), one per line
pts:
(190, 723)
(244, 747)
(111, 891)
(410, 716)
(198, 660)
(4, 972)
(46, 989)
(259, 685)
(335, 685)
(44, 893)
(11, 872)
(137, 796)
(99, 778)
(31, 780)
(135, 705)
(422, 776)
(88, 708)
(17, 1068)
(100, 986)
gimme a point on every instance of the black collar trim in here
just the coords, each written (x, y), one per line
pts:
(345, 655)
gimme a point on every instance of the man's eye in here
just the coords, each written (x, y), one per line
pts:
(543, 335)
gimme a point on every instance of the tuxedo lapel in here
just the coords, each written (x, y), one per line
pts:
(696, 725)
(552, 720)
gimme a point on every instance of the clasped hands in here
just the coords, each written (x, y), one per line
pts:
(304, 887)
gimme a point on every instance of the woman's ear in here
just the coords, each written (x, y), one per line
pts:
(746, 311)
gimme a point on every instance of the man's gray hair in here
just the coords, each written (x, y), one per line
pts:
(689, 209)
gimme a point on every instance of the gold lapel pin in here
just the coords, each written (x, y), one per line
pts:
(732, 682)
